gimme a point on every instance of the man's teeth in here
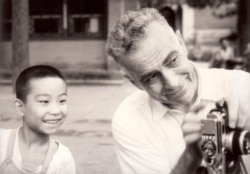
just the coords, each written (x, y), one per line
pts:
(51, 121)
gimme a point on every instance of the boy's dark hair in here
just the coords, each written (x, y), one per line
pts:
(34, 72)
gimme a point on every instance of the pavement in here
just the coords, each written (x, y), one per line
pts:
(86, 131)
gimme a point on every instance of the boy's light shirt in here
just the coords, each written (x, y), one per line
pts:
(62, 162)
(17, 158)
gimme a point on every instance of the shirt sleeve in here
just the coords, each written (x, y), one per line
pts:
(244, 100)
(238, 99)
(136, 155)
(4, 140)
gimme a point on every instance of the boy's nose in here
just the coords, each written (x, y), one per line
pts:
(55, 109)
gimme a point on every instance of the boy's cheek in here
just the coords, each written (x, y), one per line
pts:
(65, 110)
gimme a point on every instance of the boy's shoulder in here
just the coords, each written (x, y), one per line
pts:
(62, 150)
(5, 133)
(62, 157)
(2, 130)
(4, 142)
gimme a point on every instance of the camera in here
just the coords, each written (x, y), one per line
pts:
(222, 146)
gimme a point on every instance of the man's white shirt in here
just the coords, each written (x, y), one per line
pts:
(148, 136)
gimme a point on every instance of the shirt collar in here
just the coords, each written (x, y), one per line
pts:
(158, 109)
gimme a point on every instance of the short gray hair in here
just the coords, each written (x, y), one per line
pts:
(129, 29)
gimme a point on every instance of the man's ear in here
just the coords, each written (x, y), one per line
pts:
(19, 107)
(180, 39)
(128, 77)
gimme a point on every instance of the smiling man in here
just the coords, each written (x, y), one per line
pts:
(157, 129)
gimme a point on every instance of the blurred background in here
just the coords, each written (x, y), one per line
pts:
(71, 35)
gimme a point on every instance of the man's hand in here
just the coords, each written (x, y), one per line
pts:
(192, 125)
(192, 156)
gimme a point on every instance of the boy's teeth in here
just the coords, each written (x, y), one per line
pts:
(51, 121)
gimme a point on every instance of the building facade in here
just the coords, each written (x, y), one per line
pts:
(71, 34)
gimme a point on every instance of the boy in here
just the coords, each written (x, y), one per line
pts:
(41, 99)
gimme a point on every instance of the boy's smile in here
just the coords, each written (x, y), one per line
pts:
(46, 106)
(52, 121)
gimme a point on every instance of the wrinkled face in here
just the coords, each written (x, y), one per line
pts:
(161, 67)
(45, 108)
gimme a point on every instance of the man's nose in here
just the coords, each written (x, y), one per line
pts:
(170, 79)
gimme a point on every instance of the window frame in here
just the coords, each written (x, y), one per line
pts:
(65, 27)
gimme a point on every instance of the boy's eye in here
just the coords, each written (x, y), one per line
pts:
(63, 101)
(43, 101)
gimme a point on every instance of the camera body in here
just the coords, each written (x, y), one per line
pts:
(222, 146)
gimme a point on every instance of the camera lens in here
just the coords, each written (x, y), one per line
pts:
(238, 142)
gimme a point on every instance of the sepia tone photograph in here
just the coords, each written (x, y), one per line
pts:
(125, 86)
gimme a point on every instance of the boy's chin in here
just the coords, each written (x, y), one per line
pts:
(51, 131)
(46, 131)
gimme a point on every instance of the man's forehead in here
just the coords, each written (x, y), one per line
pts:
(156, 29)
(158, 40)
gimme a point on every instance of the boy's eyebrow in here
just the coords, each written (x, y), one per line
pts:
(65, 93)
(39, 95)
(47, 95)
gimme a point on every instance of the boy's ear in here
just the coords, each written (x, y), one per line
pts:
(19, 107)
(180, 39)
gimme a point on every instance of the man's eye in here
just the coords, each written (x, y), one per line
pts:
(151, 78)
(174, 60)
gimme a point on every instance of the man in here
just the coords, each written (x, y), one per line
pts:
(157, 129)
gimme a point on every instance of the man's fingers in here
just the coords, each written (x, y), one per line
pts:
(191, 138)
(197, 108)
(191, 127)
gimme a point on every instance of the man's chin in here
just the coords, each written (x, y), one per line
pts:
(176, 103)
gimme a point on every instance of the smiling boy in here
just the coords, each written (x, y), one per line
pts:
(41, 99)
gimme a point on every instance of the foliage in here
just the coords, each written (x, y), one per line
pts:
(211, 3)
(197, 53)
(221, 8)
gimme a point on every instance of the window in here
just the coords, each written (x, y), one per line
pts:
(62, 19)
(7, 16)
(87, 18)
(45, 18)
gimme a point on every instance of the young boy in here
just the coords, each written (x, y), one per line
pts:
(41, 99)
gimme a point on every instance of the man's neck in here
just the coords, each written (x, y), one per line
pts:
(183, 108)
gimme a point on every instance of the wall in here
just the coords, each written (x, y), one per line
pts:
(67, 54)
(74, 54)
